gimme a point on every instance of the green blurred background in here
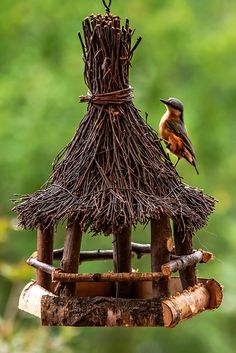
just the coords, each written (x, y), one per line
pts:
(188, 51)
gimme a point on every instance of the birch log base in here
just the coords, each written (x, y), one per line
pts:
(186, 304)
(103, 310)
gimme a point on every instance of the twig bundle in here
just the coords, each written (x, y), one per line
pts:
(114, 173)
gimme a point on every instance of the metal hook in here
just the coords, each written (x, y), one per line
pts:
(107, 6)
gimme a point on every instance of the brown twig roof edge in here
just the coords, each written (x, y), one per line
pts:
(114, 173)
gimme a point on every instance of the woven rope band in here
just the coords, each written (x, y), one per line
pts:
(116, 97)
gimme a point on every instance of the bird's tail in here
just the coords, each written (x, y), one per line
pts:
(195, 166)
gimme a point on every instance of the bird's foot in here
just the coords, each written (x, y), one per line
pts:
(177, 162)
(166, 142)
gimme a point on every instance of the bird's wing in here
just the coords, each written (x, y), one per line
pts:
(178, 128)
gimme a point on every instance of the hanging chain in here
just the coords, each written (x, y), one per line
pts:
(107, 6)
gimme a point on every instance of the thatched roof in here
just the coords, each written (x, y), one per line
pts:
(114, 173)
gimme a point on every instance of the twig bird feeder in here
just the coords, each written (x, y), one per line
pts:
(111, 176)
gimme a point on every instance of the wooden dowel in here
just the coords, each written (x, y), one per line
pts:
(58, 253)
(71, 253)
(60, 276)
(96, 255)
(122, 260)
(137, 249)
(141, 249)
(206, 256)
(161, 246)
(181, 263)
(44, 254)
(183, 246)
(40, 265)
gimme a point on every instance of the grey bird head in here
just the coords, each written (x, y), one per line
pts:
(173, 103)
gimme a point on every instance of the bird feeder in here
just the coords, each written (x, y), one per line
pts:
(111, 176)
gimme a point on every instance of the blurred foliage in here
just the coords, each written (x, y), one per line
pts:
(188, 51)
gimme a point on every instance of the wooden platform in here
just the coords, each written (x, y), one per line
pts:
(102, 309)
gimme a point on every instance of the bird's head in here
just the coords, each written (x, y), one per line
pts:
(174, 106)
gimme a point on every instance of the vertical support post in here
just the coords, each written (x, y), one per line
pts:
(122, 260)
(161, 246)
(71, 253)
(184, 246)
(44, 254)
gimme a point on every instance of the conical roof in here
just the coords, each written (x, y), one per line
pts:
(114, 173)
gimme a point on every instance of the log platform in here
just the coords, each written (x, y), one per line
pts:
(101, 309)
(121, 298)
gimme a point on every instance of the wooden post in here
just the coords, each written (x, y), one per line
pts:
(161, 246)
(59, 276)
(71, 253)
(183, 246)
(122, 260)
(44, 254)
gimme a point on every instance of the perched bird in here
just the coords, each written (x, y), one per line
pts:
(173, 132)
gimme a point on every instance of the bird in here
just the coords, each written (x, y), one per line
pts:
(173, 131)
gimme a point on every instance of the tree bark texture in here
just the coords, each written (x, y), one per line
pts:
(161, 246)
(122, 253)
(183, 246)
(44, 254)
(71, 253)
(100, 311)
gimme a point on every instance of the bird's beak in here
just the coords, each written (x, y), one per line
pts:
(164, 101)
